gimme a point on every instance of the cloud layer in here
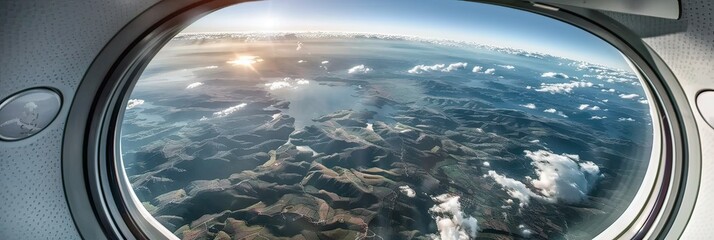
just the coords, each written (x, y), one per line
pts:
(530, 106)
(509, 67)
(229, 111)
(563, 176)
(287, 83)
(455, 66)
(554, 75)
(587, 107)
(562, 87)
(560, 177)
(408, 191)
(359, 69)
(418, 69)
(133, 103)
(194, 85)
(451, 221)
(629, 96)
(552, 110)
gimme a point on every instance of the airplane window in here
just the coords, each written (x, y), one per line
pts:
(376, 119)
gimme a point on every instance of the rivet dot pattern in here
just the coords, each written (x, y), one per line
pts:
(687, 46)
(47, 43)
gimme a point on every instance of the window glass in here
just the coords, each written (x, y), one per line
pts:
(376, 119)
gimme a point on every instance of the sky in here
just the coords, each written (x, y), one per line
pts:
(436, 19)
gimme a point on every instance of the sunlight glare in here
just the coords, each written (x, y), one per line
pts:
(246, 61)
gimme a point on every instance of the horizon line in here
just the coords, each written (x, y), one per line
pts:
(417, 37)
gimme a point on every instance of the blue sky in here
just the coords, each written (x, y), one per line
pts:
(441, 19)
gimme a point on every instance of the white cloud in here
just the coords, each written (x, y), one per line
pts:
(301, 61)
(598, 117)
(529, 105)
(490, 71)
(133, 103)
(325, 62)
(194, 85)
(370, 127)
(554, 75)
(299, 46)
(561, 177)
(455, 66)
(516, 189)
(607, 90)
(562, 87)
(622, 119)
(306, 149)
(486, 164)
(437, 67)
(424, 68)
(509, 67)
(278, 85)
(629, 96)
(451, 222)
(229, 111)
(408, 191)
(476, 69)
(287, 83)
(525, 231)
(585, 106)
(359, 69)
(643, 101)
(590, 168)
(535, 141)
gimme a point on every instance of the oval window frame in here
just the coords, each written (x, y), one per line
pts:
(94, 176)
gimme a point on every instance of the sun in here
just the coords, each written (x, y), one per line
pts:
(246, 61)
(269, 22)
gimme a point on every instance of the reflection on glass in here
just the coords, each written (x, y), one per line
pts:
(27, 113)
(450, 120)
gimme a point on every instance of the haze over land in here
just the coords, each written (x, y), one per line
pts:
(348, 136)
